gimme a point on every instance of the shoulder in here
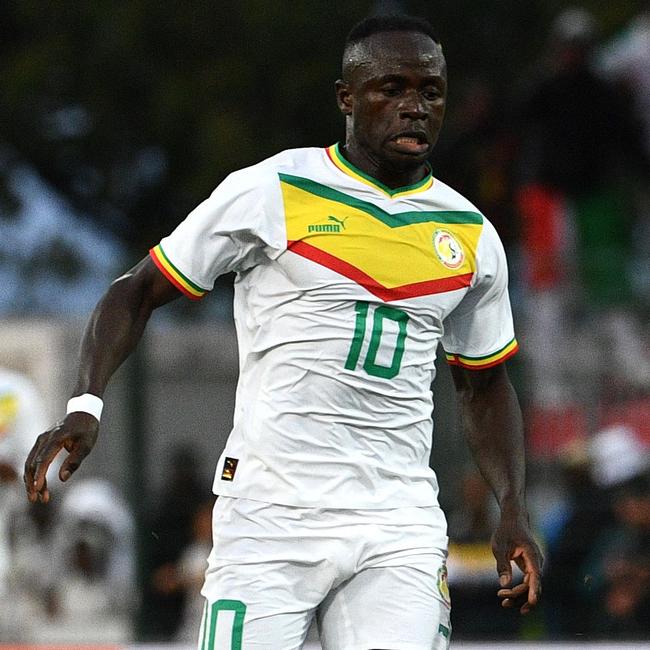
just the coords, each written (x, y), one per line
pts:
(452, 200)
(268, 170)
(259, 185)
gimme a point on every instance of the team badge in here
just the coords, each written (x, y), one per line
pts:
(448, 249)
(443, 584)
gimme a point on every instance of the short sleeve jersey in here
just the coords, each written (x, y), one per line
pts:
(343, 289)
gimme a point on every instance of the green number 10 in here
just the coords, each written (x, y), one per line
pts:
(370, 365)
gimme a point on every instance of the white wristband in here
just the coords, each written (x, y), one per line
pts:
(86, 403)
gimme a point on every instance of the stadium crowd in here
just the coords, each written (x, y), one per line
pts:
(562, 168)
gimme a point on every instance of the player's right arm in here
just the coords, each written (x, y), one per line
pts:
(112, 332)
(229, 231)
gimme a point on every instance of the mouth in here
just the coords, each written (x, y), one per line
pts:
(411, 142)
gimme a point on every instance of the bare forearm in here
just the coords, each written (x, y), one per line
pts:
(117, 324)
(111, 334)
(113, 330)
(493, 425)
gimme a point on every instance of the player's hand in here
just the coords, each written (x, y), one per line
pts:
(77, 434)
(513, 542)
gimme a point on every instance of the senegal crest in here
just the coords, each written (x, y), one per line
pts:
(443, 584)
(448, 249)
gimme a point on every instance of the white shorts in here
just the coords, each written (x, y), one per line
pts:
(375, 579)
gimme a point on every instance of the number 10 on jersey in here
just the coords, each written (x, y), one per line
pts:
(380, 314)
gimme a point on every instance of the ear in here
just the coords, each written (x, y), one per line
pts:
(343, 97)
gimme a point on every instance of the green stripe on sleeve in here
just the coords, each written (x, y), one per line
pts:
(194, 286)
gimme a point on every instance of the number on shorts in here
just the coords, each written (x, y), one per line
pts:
(223, 632)
(370, 364)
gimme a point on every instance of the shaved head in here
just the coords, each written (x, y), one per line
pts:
(363, 55)
(358, 45)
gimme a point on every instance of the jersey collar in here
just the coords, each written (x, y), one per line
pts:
(338, 160)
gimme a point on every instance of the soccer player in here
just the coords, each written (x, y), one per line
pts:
(352, 263)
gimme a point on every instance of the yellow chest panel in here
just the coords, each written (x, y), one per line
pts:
(399, 254)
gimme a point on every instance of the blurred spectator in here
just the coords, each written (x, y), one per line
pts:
(570, 527)
(92, 593)
(171, 532)
(617, 570)
(579, 141)
(22, 418)
(626, 62)
(33, 536)
(617, 455)
(72, 566)
(187, 574)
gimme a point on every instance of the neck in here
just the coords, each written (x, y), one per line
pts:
(383, 171)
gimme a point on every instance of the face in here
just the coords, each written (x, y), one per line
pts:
(394, 98)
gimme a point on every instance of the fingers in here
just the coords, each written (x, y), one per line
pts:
(71, 463)
(503, 567)
(529, 562)
(527, 594)
(43, 452)
(512, 597)
(505, 578)
(521, 596)
(513, 542)
(77, 434)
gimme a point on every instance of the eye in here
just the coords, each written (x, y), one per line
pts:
(431, 93)
(391, 90)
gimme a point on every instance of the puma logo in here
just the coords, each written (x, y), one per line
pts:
(341, 222)
(337, 226)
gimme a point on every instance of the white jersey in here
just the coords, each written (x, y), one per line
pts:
(344, 288)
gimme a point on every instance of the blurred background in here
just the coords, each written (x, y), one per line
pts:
(117, 118)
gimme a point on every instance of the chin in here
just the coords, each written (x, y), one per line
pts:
(406, 161)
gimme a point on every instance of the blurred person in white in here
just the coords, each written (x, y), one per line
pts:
(91, 592)
(21, 412)
(33, 534)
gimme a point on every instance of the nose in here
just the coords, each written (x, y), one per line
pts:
(412, 106)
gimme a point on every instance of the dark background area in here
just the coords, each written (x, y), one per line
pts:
(135, 110)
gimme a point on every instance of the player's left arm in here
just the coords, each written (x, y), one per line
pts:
(492, 421)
